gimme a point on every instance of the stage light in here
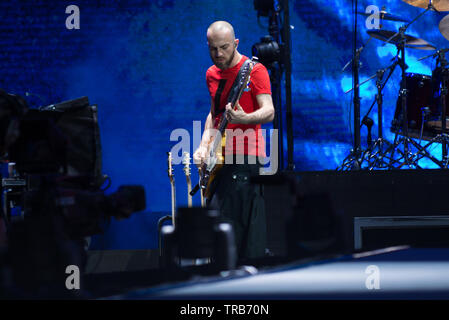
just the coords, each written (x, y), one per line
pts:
(267, 51)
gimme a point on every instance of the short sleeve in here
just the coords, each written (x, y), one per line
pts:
(208, 80)
(260, 80)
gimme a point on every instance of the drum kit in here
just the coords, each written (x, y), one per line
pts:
(421, 118)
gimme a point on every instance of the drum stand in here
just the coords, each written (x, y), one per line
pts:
(444, 90)
(443, 137)
(376, 153)
(410, 159)
(404, 140)
(353, 160)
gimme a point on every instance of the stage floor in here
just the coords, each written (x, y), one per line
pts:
(390, 273)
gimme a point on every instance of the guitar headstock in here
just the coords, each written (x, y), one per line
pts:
(246, 72)
(171, 175)
(186, 163)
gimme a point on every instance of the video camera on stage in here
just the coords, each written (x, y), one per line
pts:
(55, 150)
(52, 193)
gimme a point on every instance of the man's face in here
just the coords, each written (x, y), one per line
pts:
(222, 48)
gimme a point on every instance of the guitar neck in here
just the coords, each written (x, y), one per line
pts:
(201, 191)
(189, 188)
(224, 122)
(173, 189)
(233, 100)
(173, 202)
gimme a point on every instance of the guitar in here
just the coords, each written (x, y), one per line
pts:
(214, 156)
(171, 175)
(186, 162)
(201, 193)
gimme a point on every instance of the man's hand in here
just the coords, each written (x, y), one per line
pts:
(199, 156)
(237, 116)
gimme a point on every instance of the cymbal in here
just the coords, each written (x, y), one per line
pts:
(383, 15)
(440, 5)
(410, 41)
(444, 27)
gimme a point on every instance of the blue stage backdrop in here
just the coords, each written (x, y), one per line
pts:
(143, 63)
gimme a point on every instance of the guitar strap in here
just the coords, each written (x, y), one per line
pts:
(217, 99)
(232, 92)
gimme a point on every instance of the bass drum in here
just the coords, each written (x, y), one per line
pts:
(420, 96)
(435, 122)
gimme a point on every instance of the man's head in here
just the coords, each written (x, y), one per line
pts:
(222, 44)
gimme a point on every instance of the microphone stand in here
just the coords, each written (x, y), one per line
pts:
(358, 52)
(371, 152)
(353, 160)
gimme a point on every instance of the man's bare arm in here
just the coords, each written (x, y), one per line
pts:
(200, 153)
(264, 114)
(207, 134)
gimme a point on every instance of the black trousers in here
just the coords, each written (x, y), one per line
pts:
(242, 205)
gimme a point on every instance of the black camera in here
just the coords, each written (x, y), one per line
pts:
(53, 195)
(267, 51)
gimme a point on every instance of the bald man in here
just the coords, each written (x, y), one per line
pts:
(239, 202)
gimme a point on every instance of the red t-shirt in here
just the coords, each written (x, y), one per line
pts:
(219, 83)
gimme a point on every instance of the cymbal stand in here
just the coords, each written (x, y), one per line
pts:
(353, 160)
(443, 137)
(376, 153)
(404, 28)
(405, 140)
(444, 91)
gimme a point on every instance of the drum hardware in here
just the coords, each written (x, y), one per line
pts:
(444, 91)
(442, 123)
(421, 90)
(421, 4)
(421, 151)
(375, 154)
(405, 140)
(434, 55)
(425, 117)
(397, 157)
(404, 151)
(358, 52)
(401, 40)
(353, 160)
(368, 122)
